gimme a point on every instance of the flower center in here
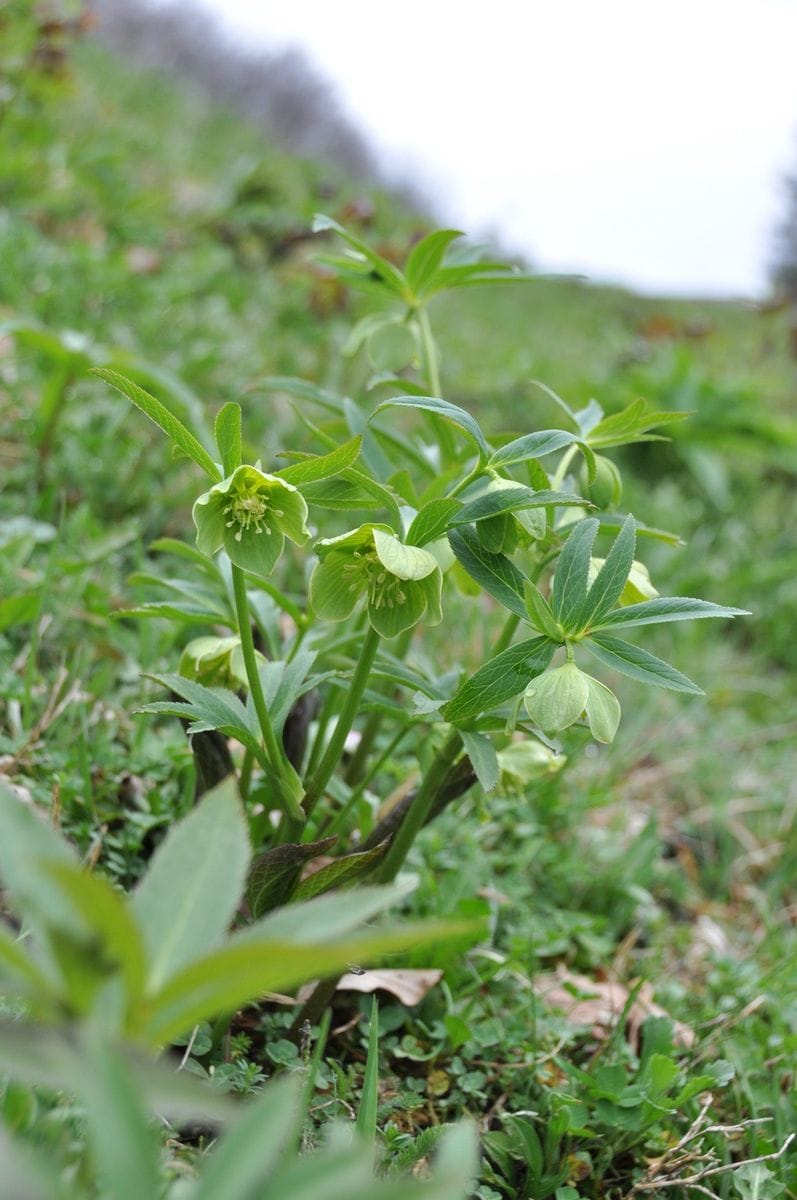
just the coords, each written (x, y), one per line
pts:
(384, 589)
(248, 511)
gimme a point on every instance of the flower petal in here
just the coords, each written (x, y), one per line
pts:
(253, 551)
(556, 699)
(389, 622)
(331, 594)
(603, 710)
(291, 503)
(406, 562)
(433, 587)
(355, 539)
(208, 514)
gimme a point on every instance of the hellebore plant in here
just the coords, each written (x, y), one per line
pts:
(416, 523)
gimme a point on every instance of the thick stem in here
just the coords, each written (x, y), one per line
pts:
(419, 810)
(335, 824)
(334, 751)
(356, 767)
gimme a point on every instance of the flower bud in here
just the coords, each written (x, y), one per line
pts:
(556, 699)
(606, 490)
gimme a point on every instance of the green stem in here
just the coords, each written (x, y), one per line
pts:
(432, 372)
(245, 778)
(339, 819)
(273, 749)
(469, 478)
(356, 767)
(506, 634)
(420, 808)
(558, 478)
(334, 751)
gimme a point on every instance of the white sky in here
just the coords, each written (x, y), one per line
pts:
(632, 140)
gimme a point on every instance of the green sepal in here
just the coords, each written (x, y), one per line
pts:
(556, 699)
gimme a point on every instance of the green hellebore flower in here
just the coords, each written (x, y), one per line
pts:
(556, 699)
(217, 662)
(638, 586)
(250, 514)
(401, 583)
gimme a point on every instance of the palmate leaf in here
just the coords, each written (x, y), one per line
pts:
(665, 608)
(608, 585)
(207, 708)
(569, 599)
(427, 255)
(499, 679)
(540, 612)
(638, 664)
(496, 573)
(631, 425)
(390, 275)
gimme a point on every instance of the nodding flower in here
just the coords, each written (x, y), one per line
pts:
(250, 514)
(401, 584)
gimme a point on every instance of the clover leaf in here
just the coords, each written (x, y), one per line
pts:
(250, 514)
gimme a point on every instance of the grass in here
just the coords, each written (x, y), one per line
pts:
(668, 858)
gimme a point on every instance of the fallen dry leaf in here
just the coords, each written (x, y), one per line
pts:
(408, 986)
(601, 1003)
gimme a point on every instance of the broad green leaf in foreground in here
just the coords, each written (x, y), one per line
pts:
(240, 1164)
(189, 895)
(122, 1138)
(247, 968)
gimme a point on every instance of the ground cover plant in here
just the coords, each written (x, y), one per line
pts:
(370, 561)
